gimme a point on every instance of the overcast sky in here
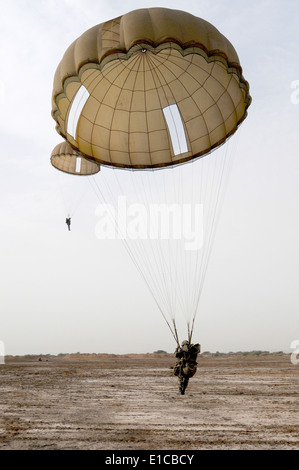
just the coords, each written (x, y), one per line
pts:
(69, 292)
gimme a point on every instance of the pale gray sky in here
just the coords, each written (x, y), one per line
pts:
(69, 292)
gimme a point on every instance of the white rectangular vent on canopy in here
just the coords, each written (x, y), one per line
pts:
(176, 129)
(78, 104)
(78, 164)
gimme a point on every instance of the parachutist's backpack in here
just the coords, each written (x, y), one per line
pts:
(187, 361)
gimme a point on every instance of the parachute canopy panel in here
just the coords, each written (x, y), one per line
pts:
(126, 74)
(65, 159)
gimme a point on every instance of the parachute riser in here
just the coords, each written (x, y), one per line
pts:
(175, 335)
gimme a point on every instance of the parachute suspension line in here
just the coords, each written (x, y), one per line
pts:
(113, 217)
(172, 252)
(174, 247)
(169, 272)
(176, 337)
(155, 257)
(162, 247)
(186, 194)
(194, 260)
(211, 221)
(204, 169)
(157, 254)
(70, 211)
(180, 286)
(226, 169)
(66, 207)
(214, 169)
(196, 187)
(79, 201)
(148, 262)
(141, 253)
(207, 168)
(189, 332)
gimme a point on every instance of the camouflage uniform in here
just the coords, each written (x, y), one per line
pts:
(186, 365)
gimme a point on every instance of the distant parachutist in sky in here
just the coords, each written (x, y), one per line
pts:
(68, 223)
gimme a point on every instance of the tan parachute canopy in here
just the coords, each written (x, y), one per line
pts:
(152, 88)
(66, 159)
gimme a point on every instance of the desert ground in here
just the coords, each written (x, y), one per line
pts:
(131, 402)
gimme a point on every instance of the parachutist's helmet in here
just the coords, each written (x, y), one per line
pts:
(184, 343)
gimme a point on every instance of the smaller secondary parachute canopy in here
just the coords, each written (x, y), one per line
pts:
(65, 159)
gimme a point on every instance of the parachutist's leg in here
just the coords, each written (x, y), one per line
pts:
(183, 384)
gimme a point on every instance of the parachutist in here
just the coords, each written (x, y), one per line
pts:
(68, 223)
(186, 365)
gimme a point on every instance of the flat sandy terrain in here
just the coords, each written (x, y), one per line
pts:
(131, 402)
